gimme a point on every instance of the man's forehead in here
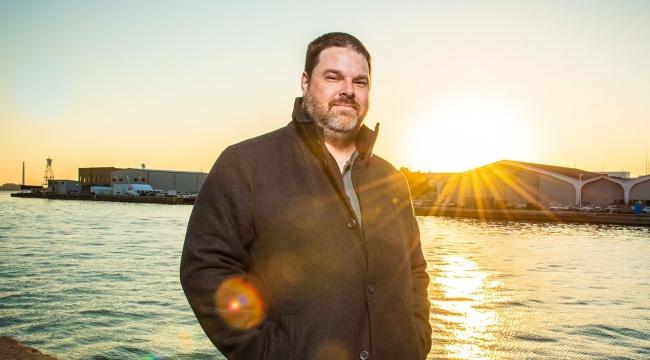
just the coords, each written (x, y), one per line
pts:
(333, 57)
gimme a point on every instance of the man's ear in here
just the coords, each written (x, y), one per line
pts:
(304, 82)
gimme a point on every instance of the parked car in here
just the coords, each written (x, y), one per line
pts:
(449, 204)
(615, 209)
(559, 208)
(592, 208)
(588, 208)
(186, 195)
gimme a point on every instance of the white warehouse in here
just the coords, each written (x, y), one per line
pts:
(165, 180)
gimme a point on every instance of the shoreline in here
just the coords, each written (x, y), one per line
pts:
(482, 214)
(537, 215)
(11, 348)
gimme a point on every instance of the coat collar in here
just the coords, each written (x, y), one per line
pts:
(314, 134)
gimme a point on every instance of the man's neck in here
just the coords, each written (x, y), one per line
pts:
(341, 153)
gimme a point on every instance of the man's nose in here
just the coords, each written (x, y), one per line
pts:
(347, 88)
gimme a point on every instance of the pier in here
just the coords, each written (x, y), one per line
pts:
(169, 200)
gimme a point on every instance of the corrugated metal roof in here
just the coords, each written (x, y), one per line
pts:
(570, 172)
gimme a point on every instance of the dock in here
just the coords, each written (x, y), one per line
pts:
(169, 200)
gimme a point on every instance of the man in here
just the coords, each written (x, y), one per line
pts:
(302, 243)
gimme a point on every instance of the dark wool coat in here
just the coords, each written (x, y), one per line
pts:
(273, 212)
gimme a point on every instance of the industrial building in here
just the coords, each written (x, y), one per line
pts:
(63, 187)
(512, 183)
(96, 176)
(164, 180)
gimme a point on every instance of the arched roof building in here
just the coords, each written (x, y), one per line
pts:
(508, 183)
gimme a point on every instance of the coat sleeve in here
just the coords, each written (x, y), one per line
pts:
(419, 276)
(217, 248)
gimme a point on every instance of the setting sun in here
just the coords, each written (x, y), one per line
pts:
(456, 134)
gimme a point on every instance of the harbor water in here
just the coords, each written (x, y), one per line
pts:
(97, 280)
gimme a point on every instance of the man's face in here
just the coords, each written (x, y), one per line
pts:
(336, 92)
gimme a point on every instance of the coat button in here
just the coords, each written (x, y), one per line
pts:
(364, 355)
(351, 224)
(371, 287)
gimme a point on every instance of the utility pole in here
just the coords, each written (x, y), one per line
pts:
(23, 181)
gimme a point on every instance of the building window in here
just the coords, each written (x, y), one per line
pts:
(120, 179)
(114, 179)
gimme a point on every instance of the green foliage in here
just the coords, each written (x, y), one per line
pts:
(418, 183)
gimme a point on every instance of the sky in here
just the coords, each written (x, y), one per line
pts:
(455, 84)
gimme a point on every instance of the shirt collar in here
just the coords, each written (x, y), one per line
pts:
(348, 164)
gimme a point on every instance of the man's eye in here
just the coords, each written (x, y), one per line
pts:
(361, 83)
(331, 77)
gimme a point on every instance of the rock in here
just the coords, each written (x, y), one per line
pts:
(12, 349)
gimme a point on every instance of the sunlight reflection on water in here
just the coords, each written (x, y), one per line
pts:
(464, 287)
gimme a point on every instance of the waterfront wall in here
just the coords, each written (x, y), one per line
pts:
(537, 215)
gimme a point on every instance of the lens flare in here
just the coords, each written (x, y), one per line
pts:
(239, 304)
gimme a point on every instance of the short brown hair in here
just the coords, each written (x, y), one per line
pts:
(333, 39)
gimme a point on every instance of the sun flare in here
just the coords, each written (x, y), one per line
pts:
(462, 133)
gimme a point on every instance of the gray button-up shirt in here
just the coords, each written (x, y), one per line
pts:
(349, 187)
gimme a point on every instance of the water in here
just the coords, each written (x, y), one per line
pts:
(532, 290)
(97, 280)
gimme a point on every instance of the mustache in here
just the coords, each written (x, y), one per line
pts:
(346, 101)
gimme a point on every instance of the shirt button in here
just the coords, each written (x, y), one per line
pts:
(364, 355)
(371, 287)
(351, 224)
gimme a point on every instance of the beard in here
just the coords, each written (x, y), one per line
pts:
(340, 125)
